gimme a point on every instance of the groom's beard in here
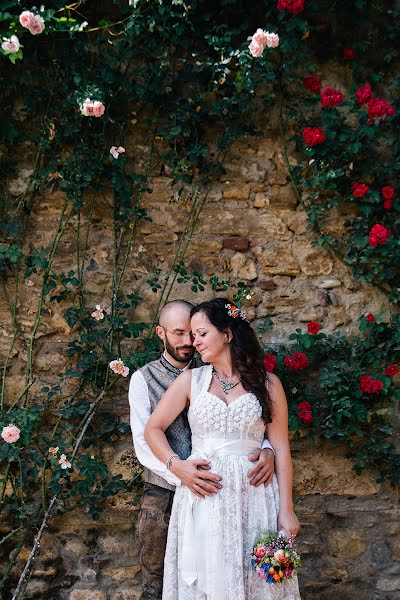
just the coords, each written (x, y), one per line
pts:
(174, 352)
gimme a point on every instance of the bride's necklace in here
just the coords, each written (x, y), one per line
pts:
(225, 384)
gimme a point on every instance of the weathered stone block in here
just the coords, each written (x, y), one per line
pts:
(76, 547)
(239, 244)
(389, 584)
(128, 594)
(347, 543)
(236, 191)
(243, 268)
(267, 285)
(121, 574)
(276, 259)
(261, 200)
(36, 588)
(326, 472)
(87, 595)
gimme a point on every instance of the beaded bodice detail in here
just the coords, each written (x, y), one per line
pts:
(209, 416)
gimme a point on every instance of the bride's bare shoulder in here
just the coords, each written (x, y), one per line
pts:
(274, 386)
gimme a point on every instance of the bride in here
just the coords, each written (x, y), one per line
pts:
(232, 405)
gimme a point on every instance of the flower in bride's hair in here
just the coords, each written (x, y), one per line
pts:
(235, 312)
(118, 367)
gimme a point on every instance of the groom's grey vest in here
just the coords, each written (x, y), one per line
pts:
(159, 375)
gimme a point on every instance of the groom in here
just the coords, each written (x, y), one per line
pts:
(147, 386)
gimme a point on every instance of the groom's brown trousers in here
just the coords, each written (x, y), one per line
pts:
(152, 530)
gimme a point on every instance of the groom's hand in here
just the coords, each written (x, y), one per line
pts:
(195, 474)
(263, 469)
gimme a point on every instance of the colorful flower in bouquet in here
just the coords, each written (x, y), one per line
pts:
(274, 558)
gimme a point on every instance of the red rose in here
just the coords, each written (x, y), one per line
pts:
(313, 327)
(377, 108)
(359, 189)
(389, 110)
(387, 192)
(370, 318)
(296, 362)
(304, 406)
(313, 84)
(349, 54)
(378, 235)
(364, 94)
(369, 385)
(388, 204)
(391, 370)
(270, 362)
(331, 97)
(293, 6)
(313, 136)
(301, 360)
(305, 413)
(290, 363)
(306, 416)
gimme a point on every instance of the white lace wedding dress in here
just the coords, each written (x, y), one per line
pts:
(210, 539)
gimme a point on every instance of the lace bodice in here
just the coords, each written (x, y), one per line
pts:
(209, 416)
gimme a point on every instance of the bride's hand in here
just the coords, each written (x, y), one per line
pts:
(288, 521)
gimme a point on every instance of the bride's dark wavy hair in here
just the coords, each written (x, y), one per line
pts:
(246, 353)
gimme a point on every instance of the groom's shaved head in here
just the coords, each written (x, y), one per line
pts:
(176, 309)
(174, 331)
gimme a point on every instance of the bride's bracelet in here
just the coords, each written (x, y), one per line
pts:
(169, 461)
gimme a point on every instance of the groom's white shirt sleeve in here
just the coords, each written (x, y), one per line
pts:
(140, 412)
(266, 444)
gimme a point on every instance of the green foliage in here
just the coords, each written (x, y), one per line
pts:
(173, 72)
(361, 422)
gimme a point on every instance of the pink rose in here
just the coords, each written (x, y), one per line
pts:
(98, 314)
(259, 37)
(259, 551)
(255, 49)
(25, 18)
(36, 25)
(11, 45)
(64, 462)
(260, 40)
(272, 40)
(10, 434)
(118, 367)
(280, 555)
(98, 109)
(115, 152)
(87, 108)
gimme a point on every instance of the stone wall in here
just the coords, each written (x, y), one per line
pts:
(251, 229)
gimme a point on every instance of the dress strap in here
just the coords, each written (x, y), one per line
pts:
(201, 379)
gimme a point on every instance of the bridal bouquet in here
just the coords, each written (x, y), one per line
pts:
(274, 557)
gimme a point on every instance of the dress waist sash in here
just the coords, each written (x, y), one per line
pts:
(202, 546)
(222, 447)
